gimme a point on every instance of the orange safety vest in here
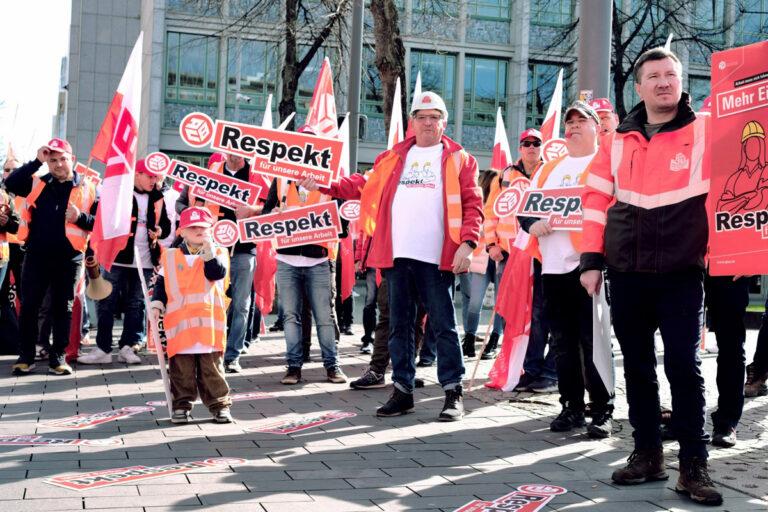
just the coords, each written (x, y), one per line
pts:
(540, 178)
(290, 192)
(196, 311)
(370, 197)
(83, 196)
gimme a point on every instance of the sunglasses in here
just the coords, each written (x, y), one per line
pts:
(529, 143)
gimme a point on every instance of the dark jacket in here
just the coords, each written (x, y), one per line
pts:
(46, 229)
(125, 257)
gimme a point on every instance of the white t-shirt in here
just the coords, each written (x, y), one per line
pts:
(417, 210)
(557, 252)
(170, 196)
(140, 238)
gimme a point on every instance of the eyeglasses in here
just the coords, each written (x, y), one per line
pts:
(529, 143)
(432, 118)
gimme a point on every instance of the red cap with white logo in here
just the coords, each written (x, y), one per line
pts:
(195, 216)
(601, 105)
(141, 167)
(59, 145)
(530, 132)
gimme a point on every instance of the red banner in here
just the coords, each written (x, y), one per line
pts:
(108, 477)
(527, 498)
(88, 173)
(315, 224)
(279, 153)
(738, 196)
(561, 206)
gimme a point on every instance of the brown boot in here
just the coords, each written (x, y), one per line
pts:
(644, 465)
(694, 481)
(755, 385)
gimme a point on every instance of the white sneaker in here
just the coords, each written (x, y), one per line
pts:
(127, 355)
(95, 356)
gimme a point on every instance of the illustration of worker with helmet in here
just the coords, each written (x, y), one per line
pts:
(747, 188)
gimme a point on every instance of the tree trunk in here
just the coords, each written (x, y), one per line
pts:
(390, 54)
(291, 73)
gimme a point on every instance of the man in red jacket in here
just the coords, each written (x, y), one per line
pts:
(653, 240)
(423, 209)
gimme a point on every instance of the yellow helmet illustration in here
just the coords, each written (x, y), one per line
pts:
(752, 129)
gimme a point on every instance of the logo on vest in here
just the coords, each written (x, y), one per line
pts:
(679, 163)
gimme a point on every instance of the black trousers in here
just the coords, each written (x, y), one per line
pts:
(569, 311)
(672, 302)
(727, 302)
(39, 272)
(760, 359)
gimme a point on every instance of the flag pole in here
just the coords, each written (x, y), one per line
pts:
(154, 333)
(485, 344)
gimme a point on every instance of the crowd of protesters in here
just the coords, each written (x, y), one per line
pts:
(647, 240)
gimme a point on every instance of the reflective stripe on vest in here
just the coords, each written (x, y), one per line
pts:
(196, 308)
(82, 196)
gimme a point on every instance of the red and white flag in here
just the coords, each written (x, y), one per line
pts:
(116, 147)
(396, 118)
(346, 245)
(550, 128)
(501, 156)
(416, 94)
(515, 305)
(322, 110)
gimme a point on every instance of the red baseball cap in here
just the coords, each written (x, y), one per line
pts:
(530, 132)
(216, 158)
(601, 105)
(59, 145)
(141, 167)
(195, 216)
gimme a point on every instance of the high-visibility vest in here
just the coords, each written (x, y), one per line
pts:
(540, 178)
(370, 198)
(290, 192)
(18, 205)
(196, 310)
(82, 196)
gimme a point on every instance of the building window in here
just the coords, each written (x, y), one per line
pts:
(198, 159)
(542, 78)
(191, 68)
(708, 15)
(194, 7)
(308, 78)
(438, 7)
(373, 92)
(255, 63)
(438, 72)
(752, 21)
(552, 12)
(495, 9)
(698, 88)
(485, 89)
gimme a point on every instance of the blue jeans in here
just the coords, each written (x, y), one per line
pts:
(126, 290)
(369, 310)
(428, 352)
(407, 281)
(241, 270)
(292, 284)
(478, 284)
(535, 363)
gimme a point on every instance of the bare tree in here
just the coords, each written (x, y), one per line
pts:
(390, 53)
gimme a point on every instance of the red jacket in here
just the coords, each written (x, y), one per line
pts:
(380, 255)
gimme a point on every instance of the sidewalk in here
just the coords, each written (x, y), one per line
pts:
(357, 463)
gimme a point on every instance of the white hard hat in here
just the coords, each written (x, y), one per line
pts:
(429, 101)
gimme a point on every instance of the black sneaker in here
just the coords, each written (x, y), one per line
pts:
(292, 376)
(368, 380)
(525, 382)
(453, 409)
(567, 420)
(468, 345)
(418, 383)
(399, 403)
(346, 330)
(423, 363)
(724, 437)
(233, 367)
(601, 426)
(277, 327)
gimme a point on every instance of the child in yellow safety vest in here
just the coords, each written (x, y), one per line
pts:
(190, 293)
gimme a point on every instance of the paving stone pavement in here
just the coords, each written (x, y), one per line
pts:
(359, 463)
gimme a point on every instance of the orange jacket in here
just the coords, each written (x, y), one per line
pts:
(82, 196)
(658, 222)
(462, 201)
(196, 310)
(502, 231)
